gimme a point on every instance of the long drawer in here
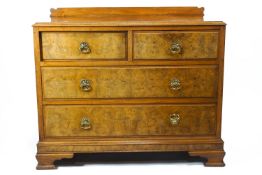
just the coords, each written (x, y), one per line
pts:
(124, 120)
(129, 82)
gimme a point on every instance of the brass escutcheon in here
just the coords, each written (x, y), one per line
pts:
(84, 48)
(85, 85)
(176, 48)
(174, 119)
(85, 123)
(175, 84)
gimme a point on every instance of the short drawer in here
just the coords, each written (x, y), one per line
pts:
(83, 45)
(175, 45)
(132, 82)
(136, 120)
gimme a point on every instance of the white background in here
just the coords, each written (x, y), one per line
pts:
(242, 107)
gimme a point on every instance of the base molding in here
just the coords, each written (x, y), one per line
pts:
(49, 151)
(214, 158)
(46, 161)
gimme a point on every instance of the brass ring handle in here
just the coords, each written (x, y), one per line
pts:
(176, 48)
(84, 48)
(175, 84)
(85, 123)
(85, 85)
(174, 119)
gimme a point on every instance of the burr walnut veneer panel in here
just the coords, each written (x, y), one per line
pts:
(158, 44)
(135, 82)
(135, 120)
(66, 45)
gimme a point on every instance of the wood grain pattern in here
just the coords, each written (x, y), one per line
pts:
(156, 45)
(213, 157)
(130, 75)
(97, 63)
(46, 161)
(130, 120)
(85, 27)
(38, 82)
(65, 45)
(84, 148)
(130, 101)
(126, 14)
(135, 82)
(131, 24)
(55, 151)
(221, 78)
(140, 140)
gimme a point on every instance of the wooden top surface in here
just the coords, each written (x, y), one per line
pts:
(128, 16)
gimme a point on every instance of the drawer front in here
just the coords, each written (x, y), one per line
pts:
(136, 120)
(135, 82)
(83, 45)
(175, 45)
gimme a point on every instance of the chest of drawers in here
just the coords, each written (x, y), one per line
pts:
(129, 80)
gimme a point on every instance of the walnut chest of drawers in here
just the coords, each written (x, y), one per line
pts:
(129, 80)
